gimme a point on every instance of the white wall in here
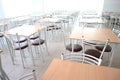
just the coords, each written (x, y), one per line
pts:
(37, 7)
(13, 8)
(111, 6)
(1, 11)
(80, 5)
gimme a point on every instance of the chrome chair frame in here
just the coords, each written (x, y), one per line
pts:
(29, 76)
(81, 57)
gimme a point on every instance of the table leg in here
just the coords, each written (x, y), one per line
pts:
(114, 48)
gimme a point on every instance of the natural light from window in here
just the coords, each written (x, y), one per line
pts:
(13, 8)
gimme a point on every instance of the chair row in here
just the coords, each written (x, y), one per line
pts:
(24, 45)
(85, 48)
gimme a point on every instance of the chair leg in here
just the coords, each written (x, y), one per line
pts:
(5, 77)
(30, 49)
(36, 49)
(2, 43)
(41, 53)
(46, 48)
(12, 55)
(21, 53)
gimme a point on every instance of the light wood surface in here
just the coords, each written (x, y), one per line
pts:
(3, 24)
(22, 18)
(49, 20)
(25, 30)
(67, 70)
(97, 34)
(93, 20)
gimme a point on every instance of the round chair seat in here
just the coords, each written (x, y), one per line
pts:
(34, 36)
(77, 47)
(37, 42)
(49, 29)
(1, 35)
(22, 39)
(53, 27)
(56, 28)
(100, 48)
(23, 45)
(93, 52)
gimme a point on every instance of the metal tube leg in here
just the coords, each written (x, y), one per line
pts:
(112, 55)
(31, 51)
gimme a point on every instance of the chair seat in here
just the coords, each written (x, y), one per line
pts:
(93, 52)
(34, 36)
(56, 28)
(22, 39)
(23, 45)
(77, 47)
(53, 27)
(1, 35)
(37, 41)
(108, 48)
(49, 29)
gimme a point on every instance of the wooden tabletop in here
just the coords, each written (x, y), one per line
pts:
(67, 70)
(97, 34)
(25, 30)
(49, 20)
(93, 20)
(3, 24)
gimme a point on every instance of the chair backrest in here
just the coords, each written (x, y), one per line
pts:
(81, 57)
(8, 41)
(30, 76)
(84, 42)
(12, 46)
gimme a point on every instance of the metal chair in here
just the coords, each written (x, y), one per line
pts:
(39, 41)
(30, 76)
(100, 46)
(81, 57)
(94, 52)
(2, 40)
(16, 46)
(71, 45)
(22, 39)
(54, 30)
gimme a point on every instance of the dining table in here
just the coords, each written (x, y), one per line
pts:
(70, 70)
(52, 20)
(95, 20)
(96, 34)
(54, 25)
(24, 30)
(92, 20)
